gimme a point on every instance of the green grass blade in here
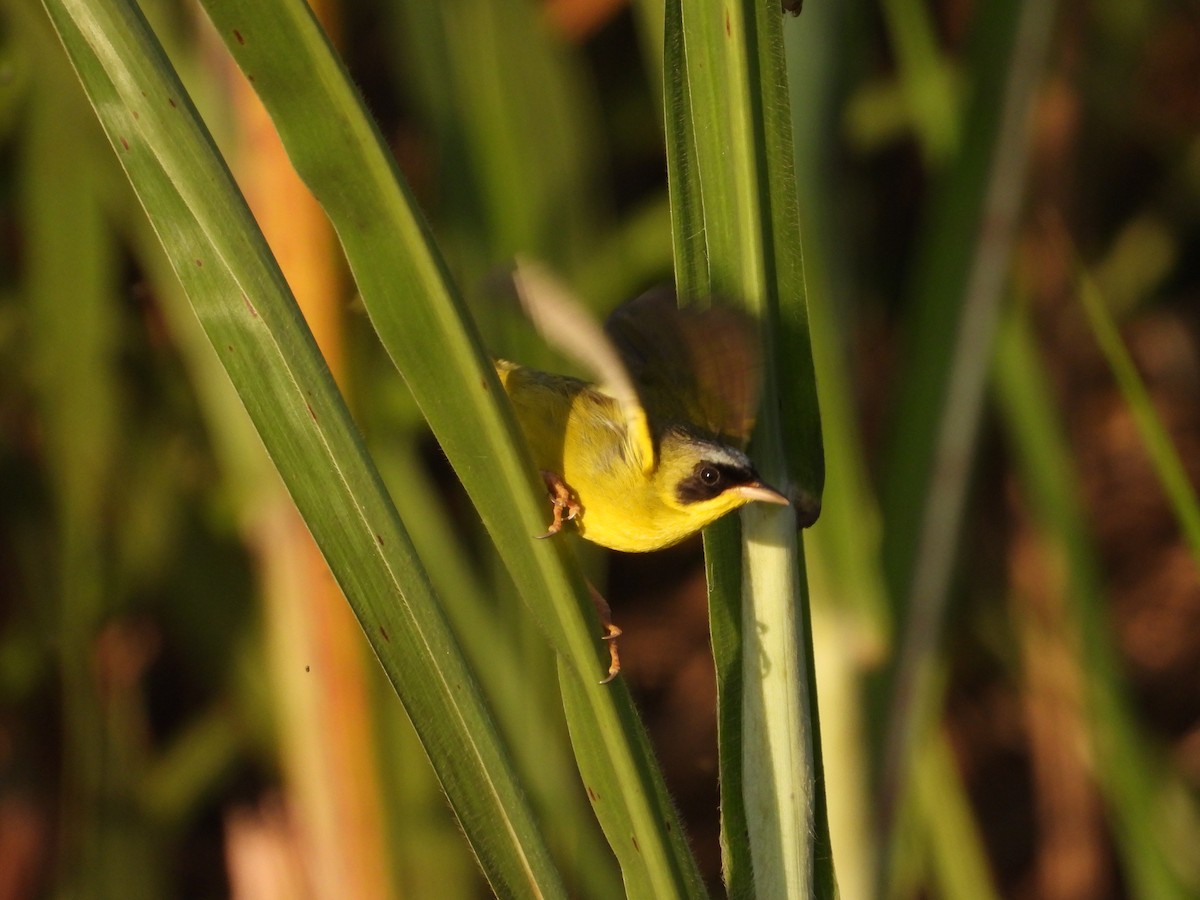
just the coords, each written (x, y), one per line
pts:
(597, 745)
(946, 254)
(692, 278)
(737, 234)
(535, 733)
(925, 78)
(851, 630)
(1130, 778)
(420, 319)
(960, 864)
(959, 284)
(249, 315)
(514, 138)
(514, 126)
(69, 275)
(722, 541)
(1163, 455)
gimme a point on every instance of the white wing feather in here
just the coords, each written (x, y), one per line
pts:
(567, 325)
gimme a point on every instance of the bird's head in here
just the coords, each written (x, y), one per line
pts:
(704, 478)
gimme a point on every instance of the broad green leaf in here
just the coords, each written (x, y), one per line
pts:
(515, 143)
(252, 320)
(419, 316)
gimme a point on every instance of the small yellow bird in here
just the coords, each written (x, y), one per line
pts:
(654, 450)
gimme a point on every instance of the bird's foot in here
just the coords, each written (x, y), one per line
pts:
(566, 507)
(612, 632)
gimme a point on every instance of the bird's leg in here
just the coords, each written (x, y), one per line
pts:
(566, 508)
(611, 635)
(564, 501)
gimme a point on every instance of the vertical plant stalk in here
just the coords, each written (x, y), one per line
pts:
(779, 743)
(736, 227)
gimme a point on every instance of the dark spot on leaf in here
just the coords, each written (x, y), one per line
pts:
(728, 31)
(251, 78)
(229, 347)
(379, 539)
(250, 306)
(238, 37)
(592, 794)
(136, 114)
(172, 102)
(199, 263)
(633, 837)
(669, 826)
(307, 669)
(383, 631)
(124, 143)
(483, 383)
(308, 406)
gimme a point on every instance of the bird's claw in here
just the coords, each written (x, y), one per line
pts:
(614, 657)
(611, 633)
(566, 507)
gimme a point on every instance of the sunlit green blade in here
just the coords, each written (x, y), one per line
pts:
(692, 278)
(960, 864)
(537, 736)
(244, 305)
(515, 141)
(722, 543)
(737, 234)
(673, 875)
(419, 316)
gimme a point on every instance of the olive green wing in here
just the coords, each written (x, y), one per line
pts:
(566, 325)
(696, 365)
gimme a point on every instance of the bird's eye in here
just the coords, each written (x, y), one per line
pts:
(709, 475)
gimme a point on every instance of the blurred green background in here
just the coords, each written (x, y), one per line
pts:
(1006, 598)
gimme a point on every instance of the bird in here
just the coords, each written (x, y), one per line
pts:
(654, 449)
